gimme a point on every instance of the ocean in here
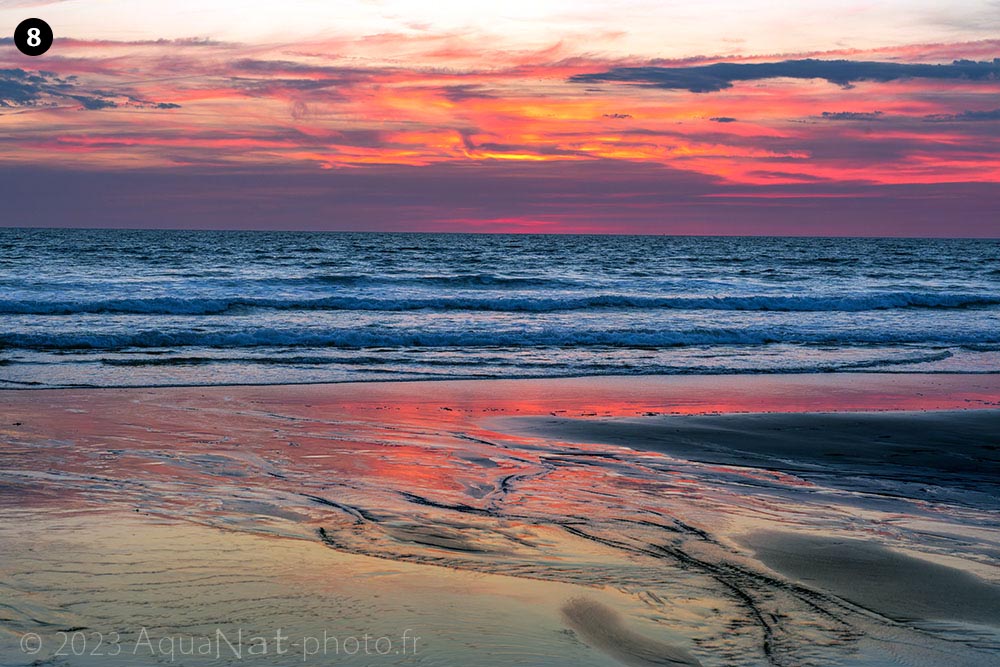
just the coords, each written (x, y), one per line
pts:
(145, 308)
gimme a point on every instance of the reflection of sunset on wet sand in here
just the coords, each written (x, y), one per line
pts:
(533, 512)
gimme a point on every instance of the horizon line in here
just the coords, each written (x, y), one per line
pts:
(495, 233)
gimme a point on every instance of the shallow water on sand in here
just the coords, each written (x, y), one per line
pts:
(139, 591)
(384, 507)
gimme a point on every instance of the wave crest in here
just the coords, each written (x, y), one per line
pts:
(222, 306)
(505, 338)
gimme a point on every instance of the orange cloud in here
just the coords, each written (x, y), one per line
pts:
(423, 99)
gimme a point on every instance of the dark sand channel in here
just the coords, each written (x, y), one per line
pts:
(870, 575)
(937, 447)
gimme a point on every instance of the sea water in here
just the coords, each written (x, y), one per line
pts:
(140, 308)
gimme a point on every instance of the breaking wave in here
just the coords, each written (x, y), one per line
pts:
(222, 306)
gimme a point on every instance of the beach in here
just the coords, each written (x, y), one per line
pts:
(807, 519)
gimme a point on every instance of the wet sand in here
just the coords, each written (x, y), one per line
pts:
(776, 520)
(138, 590)
(886, 581)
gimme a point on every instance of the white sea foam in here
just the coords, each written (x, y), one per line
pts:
(425, 305)
(528, 303)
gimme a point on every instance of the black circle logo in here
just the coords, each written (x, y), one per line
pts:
(33, 37)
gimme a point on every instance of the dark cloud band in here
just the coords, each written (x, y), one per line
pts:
(718, 76)
(992, 114)
(21, 88)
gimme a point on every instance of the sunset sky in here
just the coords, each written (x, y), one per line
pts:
(823, 118)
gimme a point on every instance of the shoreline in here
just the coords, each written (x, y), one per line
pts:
(403, 380)
(594, 396)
